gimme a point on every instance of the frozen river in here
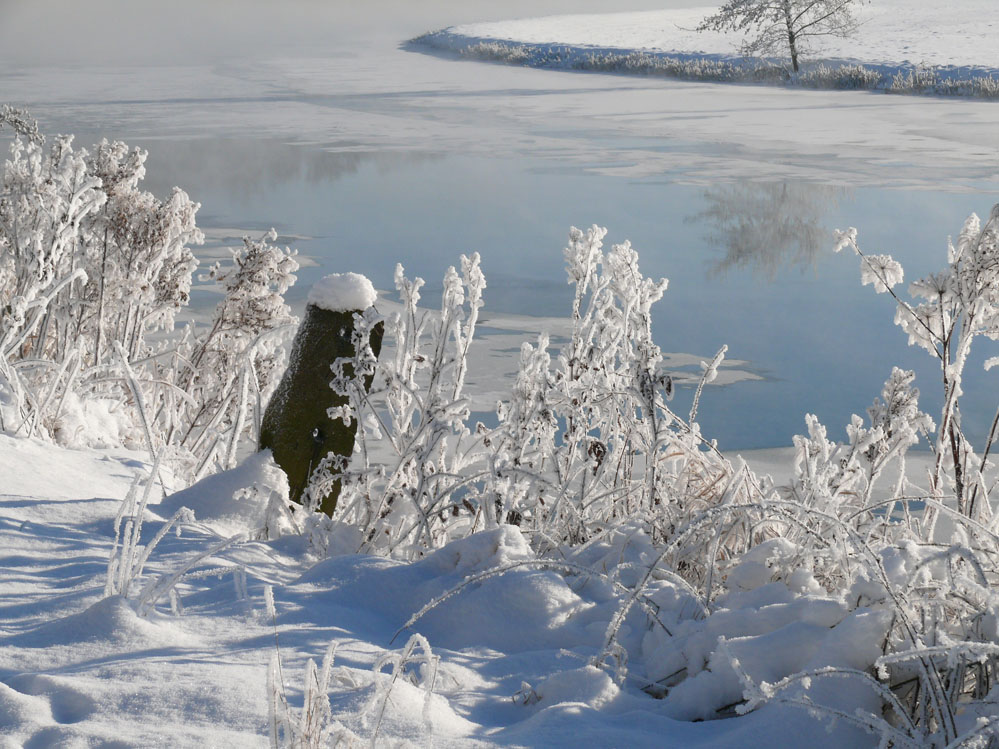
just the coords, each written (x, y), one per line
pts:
(363, 154)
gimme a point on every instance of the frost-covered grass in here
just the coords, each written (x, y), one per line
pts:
(892, 79)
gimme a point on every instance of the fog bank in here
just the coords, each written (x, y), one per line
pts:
(40, 32)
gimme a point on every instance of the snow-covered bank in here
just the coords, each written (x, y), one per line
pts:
(76, 669)
(905, 48)
(79, 670)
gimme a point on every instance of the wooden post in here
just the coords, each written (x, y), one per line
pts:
(295, 426)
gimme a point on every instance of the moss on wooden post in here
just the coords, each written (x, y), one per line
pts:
(296, 427)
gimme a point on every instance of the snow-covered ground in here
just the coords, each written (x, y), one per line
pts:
(78, 669)
(960, 33)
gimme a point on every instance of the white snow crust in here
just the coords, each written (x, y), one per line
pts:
(343, 291)
(78, 669)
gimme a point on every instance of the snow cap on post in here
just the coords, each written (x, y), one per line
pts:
(339, 292)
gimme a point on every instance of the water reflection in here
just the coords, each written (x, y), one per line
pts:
(768, 226)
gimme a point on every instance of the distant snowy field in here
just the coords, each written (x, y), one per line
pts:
(917, 32)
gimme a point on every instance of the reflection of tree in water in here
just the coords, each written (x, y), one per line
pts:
(767, 226)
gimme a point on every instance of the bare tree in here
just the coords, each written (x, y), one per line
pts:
(777, 27)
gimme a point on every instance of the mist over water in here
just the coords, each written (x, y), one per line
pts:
(120, 32)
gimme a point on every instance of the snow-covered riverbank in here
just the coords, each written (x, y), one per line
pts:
(899, 48)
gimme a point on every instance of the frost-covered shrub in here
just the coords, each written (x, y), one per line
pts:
(94, 272)
(20, 122)
(496, 52)
(907, 576)
(234, 367)
(139, 264)
(878, 594)
(954, 307)
(930, 569)
(852, 77)
(586, 439)
(930, 81)
(914, 81)
(85, 257)
(606, 445)
(697, 69)
(405, 505)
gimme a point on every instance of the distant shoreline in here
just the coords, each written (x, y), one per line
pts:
(823, 74)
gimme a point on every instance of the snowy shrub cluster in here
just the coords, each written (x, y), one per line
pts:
(930, 81)
(585, 441)
(863, 598)
(511, 54)
(850, 77)
(94, 272)
(686, 68)
(721, 68)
